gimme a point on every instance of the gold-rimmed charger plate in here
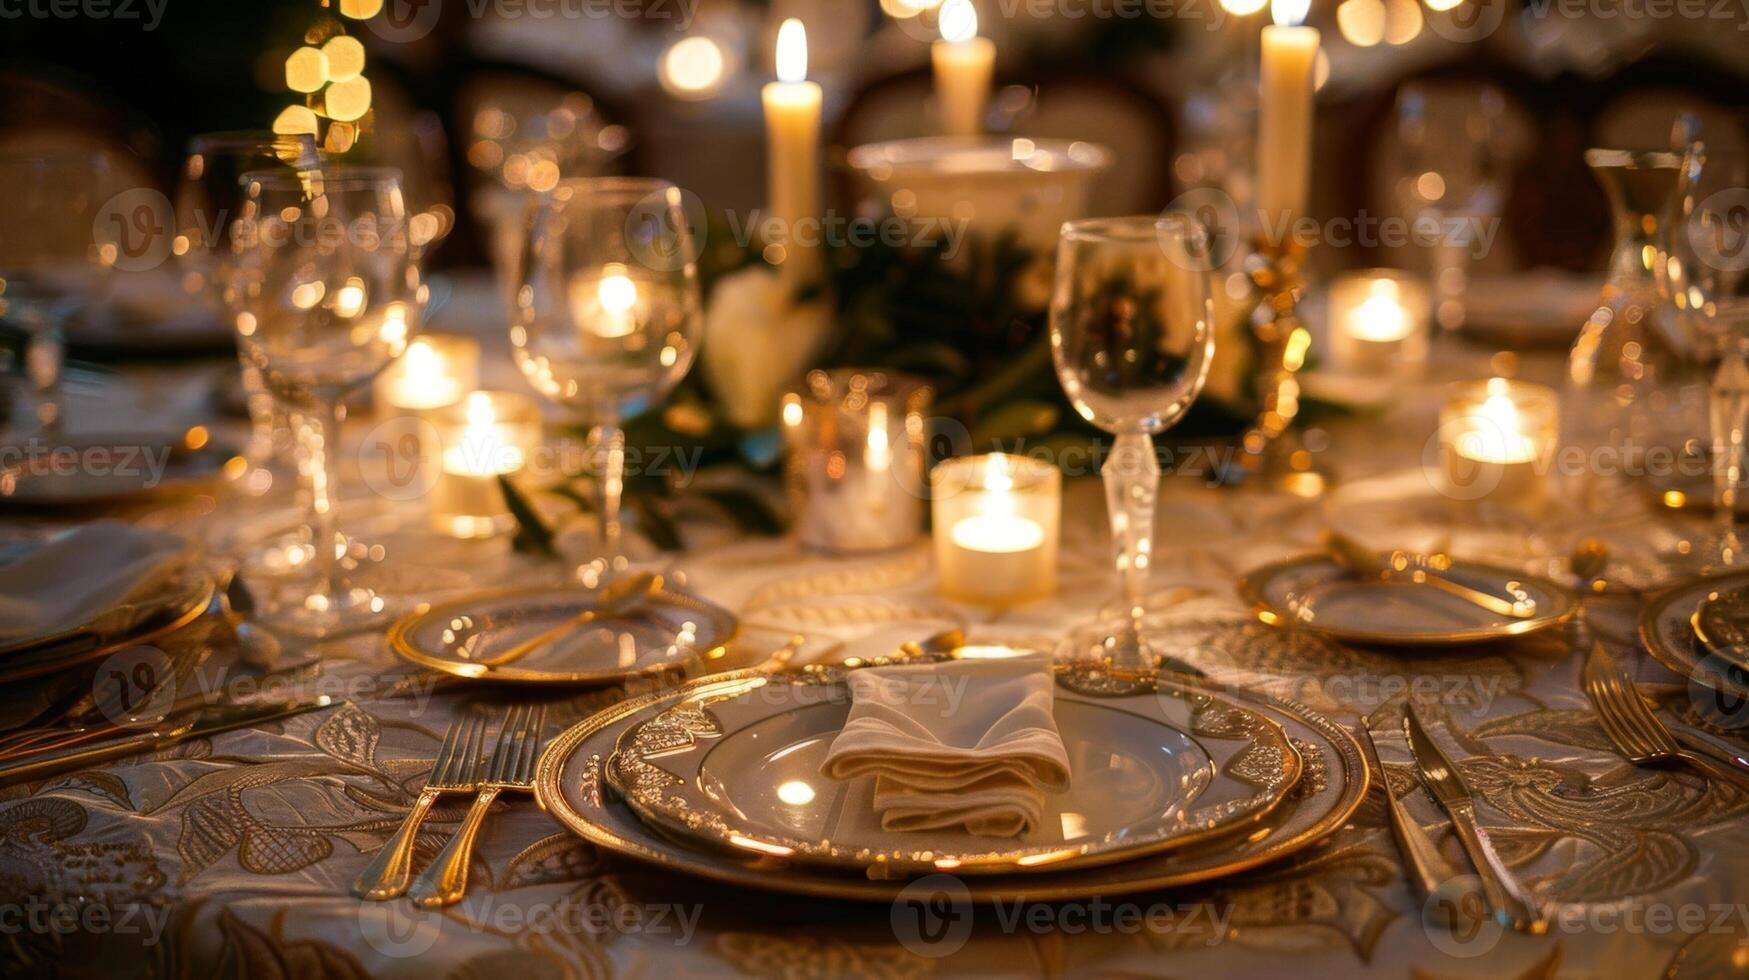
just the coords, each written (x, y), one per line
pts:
(670, 630)
(570, 784)
(183, 600)
(1313, 593)
(1156, 765)
(1667, 628)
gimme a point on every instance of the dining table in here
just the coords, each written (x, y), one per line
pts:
(234, 854)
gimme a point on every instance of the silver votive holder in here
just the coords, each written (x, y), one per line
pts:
(855, 444)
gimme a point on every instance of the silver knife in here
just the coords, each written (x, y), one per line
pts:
(1511, 904)
(205, 721)
(1428, 869)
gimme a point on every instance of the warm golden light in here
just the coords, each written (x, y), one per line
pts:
(349, 299)
(1443, 5)
(345, 58)
(306, 70)
(360, 9)
(795, 793)
(792, 52)
(617, 292)
(693, 68)
(348, 100)
(1242, 8)
(1289, 13)
(959, 21)
(1361, 22)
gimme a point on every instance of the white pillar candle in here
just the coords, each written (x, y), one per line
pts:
(792, 133)
(435, 370)
(996, 519)
(1284, 120)
(963, 64)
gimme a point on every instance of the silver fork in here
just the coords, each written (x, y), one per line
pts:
(1636, 732)
(459, 768)
(512, 768)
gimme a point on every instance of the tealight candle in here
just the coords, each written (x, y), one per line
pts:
(996, 520)
(435, 370)
(1379, 324)
(963, 64)
(487, 435)
(855, 464)
(1494, 437)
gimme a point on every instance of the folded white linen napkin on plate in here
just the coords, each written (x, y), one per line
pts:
(75, 578)
(967, 743)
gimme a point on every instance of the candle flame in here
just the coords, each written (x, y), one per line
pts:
(792, 51)
(996, 478)
(617, 292)
(959, 21)
(420, 361)
(480, 412)
(1289, 13)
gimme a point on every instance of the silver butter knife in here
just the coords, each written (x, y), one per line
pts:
(1511, 905)
(1428, 869)
(205, 721)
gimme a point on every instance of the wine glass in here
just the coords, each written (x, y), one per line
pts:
(325, 293)
(1701, 271)
(205, 194)
(56, 240)
(607, 317)
(1131, 339)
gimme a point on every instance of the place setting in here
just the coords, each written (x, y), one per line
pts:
(873, 489)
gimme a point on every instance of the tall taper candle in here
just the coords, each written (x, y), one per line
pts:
(792, 132)
(963, 64)
(1284, 119)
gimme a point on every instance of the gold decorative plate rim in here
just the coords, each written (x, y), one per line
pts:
(1688, 663)
(747, 872)
(1250, 587)
(401, 643)
(653, 791)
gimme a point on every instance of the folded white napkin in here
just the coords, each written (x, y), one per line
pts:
(967, 743)
(77, 577)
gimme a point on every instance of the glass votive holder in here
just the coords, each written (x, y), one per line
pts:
(855, 441)
(1379, 323)
(996, 519)
(1496, 440)
(435, 370)
(484, 436)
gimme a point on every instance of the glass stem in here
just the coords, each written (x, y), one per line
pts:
(610, 444)
(1132, 484)
(322, 472)
(1730, 406)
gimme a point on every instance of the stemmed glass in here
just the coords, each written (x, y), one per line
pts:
(1703, 274)
(607, 318)
(57, 237)
(205, 193)
(325, 293)
(1131, 339)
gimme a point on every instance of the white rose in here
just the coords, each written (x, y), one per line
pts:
(756, 342)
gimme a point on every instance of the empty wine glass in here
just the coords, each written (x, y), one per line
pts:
(205, 194)
(606, 319)
(55, 243)
(1701, 270)
(1131, 340)
(325, 293)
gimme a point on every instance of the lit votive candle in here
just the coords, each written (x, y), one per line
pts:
(487, 435)
(1495, 439)
(855, 459)
(995, 528)
(1379, 324)
(436, 370)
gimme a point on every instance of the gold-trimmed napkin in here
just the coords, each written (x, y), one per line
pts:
(967, 743)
